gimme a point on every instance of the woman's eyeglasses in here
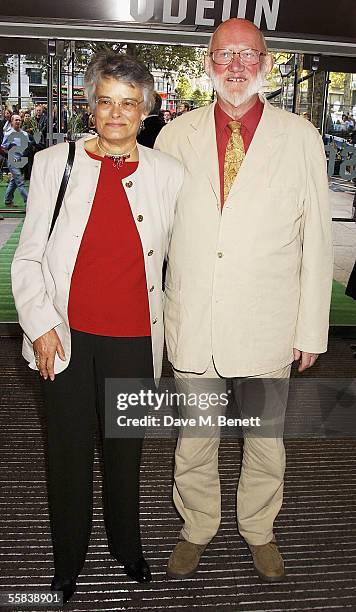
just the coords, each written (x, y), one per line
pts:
(127, 105)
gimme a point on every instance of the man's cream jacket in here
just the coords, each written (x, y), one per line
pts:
(248, 284)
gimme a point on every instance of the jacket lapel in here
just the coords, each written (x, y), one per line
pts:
(202, 138)
(264, 149)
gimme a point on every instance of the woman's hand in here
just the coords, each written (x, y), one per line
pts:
(45, 349)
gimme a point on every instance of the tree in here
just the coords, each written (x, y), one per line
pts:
(201, 98)
(167, 58)
(184, 88)
(337, 80)
(274, 79)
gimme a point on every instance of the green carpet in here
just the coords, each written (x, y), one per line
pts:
(343, 308)
(7, 306)
(16, 211)
(17, 197)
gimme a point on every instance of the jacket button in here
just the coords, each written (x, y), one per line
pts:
(154, 321)
(129, 183)
(140, 218)
(150, 252)
(220, 255)
(152, 288)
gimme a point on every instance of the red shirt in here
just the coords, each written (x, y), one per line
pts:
(249, 122)
(108, 292)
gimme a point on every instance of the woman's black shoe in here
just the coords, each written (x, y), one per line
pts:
(67, 586)
(138, 570)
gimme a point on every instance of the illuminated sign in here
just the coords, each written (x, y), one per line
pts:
(318, 18)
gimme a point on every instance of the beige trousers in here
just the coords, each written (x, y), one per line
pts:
(196, 491)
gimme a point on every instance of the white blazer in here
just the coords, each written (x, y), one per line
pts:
(248, 284)
(42, 268)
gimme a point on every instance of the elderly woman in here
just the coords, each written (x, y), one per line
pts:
(90, 303)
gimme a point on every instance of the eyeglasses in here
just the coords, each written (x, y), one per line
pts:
(248, 57)
(127, 105)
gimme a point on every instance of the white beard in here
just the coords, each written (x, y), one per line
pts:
(237, 98)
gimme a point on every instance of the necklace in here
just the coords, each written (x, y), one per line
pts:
(117, 159)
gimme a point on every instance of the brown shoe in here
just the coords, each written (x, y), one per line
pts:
(268, 561)
(184, 559)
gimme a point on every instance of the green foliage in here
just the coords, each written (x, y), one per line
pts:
(75, 125)
(30, 125)
(201, 98)
(179, 59)
(184, 88)
(337, 80)
(274, 79)
(168, 58)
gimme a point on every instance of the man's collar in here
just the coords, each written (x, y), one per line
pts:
(249, 120)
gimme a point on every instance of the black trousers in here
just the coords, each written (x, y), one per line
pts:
(73, 402)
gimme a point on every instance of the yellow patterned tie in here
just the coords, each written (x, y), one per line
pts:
(234, 156)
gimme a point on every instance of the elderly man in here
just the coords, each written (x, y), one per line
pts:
(248, 282)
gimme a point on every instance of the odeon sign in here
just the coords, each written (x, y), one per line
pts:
(203, 12)
(306, 19)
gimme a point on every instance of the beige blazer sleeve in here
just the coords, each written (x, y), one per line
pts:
(316, 271)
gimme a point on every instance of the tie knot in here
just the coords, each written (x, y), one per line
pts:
(234, 126)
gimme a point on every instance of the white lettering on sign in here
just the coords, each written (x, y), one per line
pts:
(170, 11)
(226, 11)
(167, 12)
(242, 9)
(142, 10)
(271, 13)
(200, 18)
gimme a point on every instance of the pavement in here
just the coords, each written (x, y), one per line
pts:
(7, 227)
(344, 232)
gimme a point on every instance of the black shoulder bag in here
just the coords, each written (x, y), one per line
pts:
(64, 183)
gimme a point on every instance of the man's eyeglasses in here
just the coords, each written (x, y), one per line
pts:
(248, 57)
(127, 104)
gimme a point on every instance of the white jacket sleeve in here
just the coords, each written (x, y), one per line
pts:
(37, 314)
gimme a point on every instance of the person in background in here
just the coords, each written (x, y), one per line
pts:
(5, 124)
(22, 112)
(248, 286)
(183, 108)
(167, 116)
(152, 124)
(29, 127)
(91, 124)
(90, 304)
(16, 137)
(86, 114)
(41, 120)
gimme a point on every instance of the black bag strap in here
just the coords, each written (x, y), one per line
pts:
(64, 183)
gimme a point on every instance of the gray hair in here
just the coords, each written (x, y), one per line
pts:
(121, 67)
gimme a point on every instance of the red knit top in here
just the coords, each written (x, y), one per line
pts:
(108, 292)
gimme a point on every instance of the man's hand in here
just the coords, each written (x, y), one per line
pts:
(306, 360)
(45, 349)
